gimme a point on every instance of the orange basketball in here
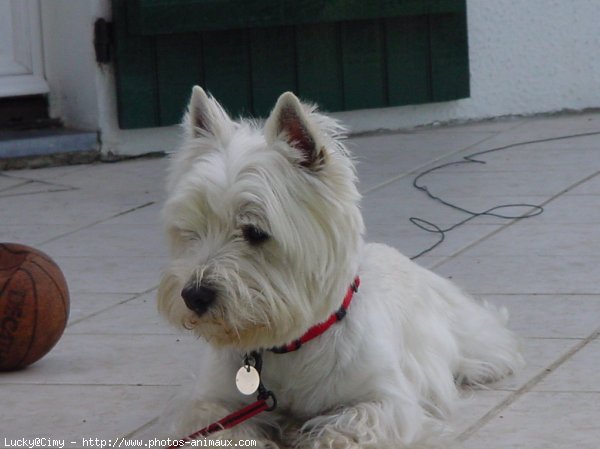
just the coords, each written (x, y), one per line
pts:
(34, 305)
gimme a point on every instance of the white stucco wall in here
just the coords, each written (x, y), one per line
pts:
(70, 66)
(526, 57)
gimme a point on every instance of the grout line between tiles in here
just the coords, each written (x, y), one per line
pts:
(134, 296)
(17, 174)
(37, 192)
(25, 181)
(517, 394)
(89, 225)
(16, 186)
(141, 428)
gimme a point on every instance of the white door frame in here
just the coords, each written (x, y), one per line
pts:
(21, 55)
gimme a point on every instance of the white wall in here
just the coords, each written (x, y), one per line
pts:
(526, 57)
(70, 66)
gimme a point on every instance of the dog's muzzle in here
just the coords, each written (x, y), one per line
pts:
(198, 297)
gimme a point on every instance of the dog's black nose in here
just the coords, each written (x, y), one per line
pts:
(198, 297)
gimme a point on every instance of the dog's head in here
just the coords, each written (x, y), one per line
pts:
(263, 224)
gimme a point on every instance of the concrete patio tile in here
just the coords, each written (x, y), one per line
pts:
(385, 156)
(484, 210)
(492, 126)
(144, 178)
(398, 201)
(530, 238)
(49, 173)
(527, 274)
(133, 274)
(147, 215)
(571, 209)
(590, 187)
(429, 261)
(116, 359)
(550, 316)
(579, 373)
(549, 127)
(84, 305)
(585, 141)
(35, 234)
(474, 405)
(542, 420)
(456, 183)
(8, 182)
(75, 412)
(70, 207)
(411, 240)
(111, 240)
(539, 353)
(572, 123)
(32, 187)
(136, 316)
(542, 157)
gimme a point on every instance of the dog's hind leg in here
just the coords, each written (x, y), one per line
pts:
(488, 350)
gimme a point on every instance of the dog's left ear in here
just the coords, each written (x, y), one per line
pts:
(289, 122)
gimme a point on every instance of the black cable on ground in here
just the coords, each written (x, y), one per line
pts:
(532, 210)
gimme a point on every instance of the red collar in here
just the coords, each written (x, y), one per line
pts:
(320, 328)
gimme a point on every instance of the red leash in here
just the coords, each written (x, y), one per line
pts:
(228, 422)
(261, 404)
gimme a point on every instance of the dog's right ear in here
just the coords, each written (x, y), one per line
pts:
(290, 123)
(205, 115)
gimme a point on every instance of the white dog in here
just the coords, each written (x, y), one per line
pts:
(266, 239)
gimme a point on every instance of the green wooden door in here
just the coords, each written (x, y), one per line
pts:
(341, 54)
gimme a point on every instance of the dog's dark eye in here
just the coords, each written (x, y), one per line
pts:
(254, 235)
(190, 235)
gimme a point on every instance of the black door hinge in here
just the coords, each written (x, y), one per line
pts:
(103, 40)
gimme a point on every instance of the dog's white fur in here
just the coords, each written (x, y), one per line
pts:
(384, 377)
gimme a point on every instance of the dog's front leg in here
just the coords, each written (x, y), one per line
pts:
(367, 425)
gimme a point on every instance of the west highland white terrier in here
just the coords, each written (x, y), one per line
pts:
(267, 249)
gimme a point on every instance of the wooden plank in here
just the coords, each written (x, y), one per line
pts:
(407, 44)
(179, 59)
(272, 58)
(226, 64)
(137, 93)
(319, 65)
(449, 57)
(181, 16)
(363, 64)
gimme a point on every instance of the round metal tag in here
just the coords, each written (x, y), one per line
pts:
(247, 380)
